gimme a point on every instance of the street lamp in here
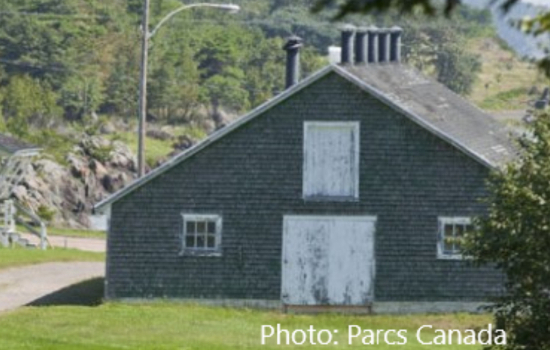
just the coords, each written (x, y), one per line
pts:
(146, 36)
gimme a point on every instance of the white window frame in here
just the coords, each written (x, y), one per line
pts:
(442, 221)
(196, 251)
(356, 127)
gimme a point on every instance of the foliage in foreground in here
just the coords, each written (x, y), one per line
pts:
(516, 237)
(183, 326)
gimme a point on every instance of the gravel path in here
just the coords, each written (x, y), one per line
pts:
(87, 244)
(22, 285)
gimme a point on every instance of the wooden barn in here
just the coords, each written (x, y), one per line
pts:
(350, 189)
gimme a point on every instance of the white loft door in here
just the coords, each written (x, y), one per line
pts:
(331, 160)
(328, 260)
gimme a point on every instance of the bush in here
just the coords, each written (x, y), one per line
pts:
(45, 213)
(101, 153)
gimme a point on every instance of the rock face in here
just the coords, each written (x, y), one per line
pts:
(94, 169)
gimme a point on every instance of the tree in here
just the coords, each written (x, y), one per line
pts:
(438, 50)
(28, 102)
(430, 7)
(515, 236)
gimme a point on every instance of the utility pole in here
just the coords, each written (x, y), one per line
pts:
(143, 88)
(146, 36)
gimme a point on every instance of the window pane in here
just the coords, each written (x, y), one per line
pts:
(200, 242)
(459, 231)
(190, 241)
(457, 246)
(190, 227)
(211, 241)
(448, 230)
(448, 238)
(201, 227)
(211, 227)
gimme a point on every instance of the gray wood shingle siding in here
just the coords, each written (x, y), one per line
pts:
(253, 176)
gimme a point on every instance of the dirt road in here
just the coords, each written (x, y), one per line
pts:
(22, 285)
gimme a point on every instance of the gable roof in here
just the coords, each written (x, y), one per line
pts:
(429, 104)
(10, 145)
(436, 108)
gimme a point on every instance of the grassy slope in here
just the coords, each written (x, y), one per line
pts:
(158, 149)
(505, 80)
(12, 257)
(180, 326)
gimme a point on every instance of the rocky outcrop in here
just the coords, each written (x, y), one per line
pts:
(95, 168)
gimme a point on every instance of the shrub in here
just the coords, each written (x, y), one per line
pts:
(46, 213)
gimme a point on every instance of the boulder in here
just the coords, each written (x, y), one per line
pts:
(98, 168)
(107, 128)
(77, 166)
(73, 189)
(20, 192)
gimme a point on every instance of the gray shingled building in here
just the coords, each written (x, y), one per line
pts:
(351, 188)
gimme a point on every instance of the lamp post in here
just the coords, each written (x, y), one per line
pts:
(146, 36)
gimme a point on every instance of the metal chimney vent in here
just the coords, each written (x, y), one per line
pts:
(372, 44)
(292, 48)
(348, 34)
(395, 43)
(384, 45)
(361, 46)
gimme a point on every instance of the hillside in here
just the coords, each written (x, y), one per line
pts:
(505, 81)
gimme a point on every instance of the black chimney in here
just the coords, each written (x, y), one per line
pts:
(384, 45)
(348, 33)
(372, 47)
(361, 46)
(292, 48)
(395, 44)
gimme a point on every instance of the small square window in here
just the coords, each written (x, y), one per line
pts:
(202, 234)
(450, 236)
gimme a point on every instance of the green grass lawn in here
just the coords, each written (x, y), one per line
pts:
(69, 232)
(158, 149)
(12, 257)
(185, 326)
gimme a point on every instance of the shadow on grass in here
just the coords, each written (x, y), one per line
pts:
(86, 293)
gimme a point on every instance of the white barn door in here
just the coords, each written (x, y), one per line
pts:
(328, 260)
